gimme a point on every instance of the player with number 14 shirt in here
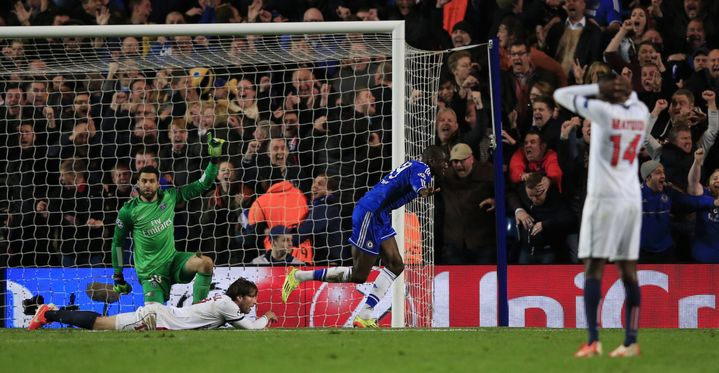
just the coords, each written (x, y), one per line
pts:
(612, 214)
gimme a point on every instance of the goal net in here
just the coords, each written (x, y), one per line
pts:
(313, 114)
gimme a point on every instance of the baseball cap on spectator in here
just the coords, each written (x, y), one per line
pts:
(463, 26)
(648, 167)
(278, 230)
(700, 52)
(460, 152)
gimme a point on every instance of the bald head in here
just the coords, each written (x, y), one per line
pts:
(313, 15)
(713, 62)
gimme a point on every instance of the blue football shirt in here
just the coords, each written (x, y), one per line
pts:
(398, 187)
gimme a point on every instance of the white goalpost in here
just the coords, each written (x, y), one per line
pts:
(84, 107)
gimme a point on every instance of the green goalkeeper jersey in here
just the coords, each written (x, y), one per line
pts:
(151, 224)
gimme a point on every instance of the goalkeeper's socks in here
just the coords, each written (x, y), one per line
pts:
(201, 286)
(379, 290)
(631, 312)
(333, 274)
(592, 295)
(81, 319)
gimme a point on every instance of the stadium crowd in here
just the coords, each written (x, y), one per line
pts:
(305, 141)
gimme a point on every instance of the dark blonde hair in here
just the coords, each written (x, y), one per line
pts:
(240, 288)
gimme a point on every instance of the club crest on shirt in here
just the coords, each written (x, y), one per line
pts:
(664, 198)
(713, 215)
(155, 280)
(163, 206)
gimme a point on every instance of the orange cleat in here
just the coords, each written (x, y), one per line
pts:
(589, 349)
(626, 351)
(39, 319)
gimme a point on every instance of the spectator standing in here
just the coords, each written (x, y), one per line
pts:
(220, 210)
(323, 225)
(543, 240)
(575, 38)
(468, 200)
(279, 254)
(534, 157)
(26, 181)
(706, 246)
(73, 211)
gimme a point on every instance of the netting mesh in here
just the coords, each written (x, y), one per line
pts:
(422, 77)
(308, 123)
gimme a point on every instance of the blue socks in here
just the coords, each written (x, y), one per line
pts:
(81, 319)
(631, 312)
(319, 274)
(592, 295)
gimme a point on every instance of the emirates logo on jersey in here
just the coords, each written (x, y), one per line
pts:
(157, 227)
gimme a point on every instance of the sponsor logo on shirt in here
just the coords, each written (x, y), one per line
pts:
(155, 280)
(157, 227)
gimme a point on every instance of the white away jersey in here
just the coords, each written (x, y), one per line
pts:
(617, 135)
(211, 313)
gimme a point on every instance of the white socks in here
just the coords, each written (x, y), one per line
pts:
(379, 290)
(332, 274)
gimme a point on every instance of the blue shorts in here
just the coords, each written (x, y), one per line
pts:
(370, 229)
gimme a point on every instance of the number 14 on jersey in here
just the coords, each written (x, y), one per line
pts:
(629, 153)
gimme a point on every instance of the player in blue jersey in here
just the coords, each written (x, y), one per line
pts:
(372, 232)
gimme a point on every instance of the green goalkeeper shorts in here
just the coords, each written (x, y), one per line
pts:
(156, 286)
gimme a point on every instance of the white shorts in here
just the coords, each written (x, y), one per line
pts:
(611, 229)
(144, 318)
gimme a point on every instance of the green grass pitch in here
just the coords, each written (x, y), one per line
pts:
(347, 350)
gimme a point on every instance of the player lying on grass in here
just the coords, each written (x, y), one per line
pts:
(612, 214)
(150, 217)
(214, 312)
(372, 232)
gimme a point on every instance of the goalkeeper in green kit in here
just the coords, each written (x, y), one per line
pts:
(150, 217)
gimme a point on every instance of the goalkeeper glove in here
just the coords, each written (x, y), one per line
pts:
(121, 286)
(214, 146)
